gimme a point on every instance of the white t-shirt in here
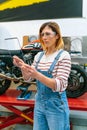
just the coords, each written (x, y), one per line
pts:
(61, 70)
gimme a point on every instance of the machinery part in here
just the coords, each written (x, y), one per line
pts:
(25, 94)
(77, 81)
(5, 82)
(4, 85)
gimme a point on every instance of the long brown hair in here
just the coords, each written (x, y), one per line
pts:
(55, 28)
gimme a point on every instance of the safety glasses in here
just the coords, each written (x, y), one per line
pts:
(48, 34)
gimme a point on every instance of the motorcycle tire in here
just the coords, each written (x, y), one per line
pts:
(4, 85)
(77, 82)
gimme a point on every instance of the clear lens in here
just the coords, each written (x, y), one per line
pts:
(48, 34)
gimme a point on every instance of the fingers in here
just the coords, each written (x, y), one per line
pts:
(25, 66)
(25, 72)
(26, 69)
(17, 61)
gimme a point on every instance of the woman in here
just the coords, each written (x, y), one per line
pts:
(51, 69)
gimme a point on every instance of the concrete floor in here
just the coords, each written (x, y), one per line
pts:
(19, 127)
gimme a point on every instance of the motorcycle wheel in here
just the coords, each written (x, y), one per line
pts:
(77, 82)
(4, 85)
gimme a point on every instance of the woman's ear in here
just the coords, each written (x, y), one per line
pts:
(57, 36)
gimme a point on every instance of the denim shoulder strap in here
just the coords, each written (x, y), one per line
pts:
(55, 61)
(39, 59)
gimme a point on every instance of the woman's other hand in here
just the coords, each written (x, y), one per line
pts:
(17, 61)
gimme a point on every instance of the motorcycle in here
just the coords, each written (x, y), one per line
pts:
(8, 72)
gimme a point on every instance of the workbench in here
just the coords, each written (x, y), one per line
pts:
(9, 101)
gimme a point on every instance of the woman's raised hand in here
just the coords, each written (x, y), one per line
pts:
(17, 61)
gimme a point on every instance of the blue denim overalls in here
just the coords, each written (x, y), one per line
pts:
(51, 110)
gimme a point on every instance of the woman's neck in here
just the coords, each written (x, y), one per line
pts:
(50, 51)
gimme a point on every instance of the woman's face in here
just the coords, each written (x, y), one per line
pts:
(49, 37)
